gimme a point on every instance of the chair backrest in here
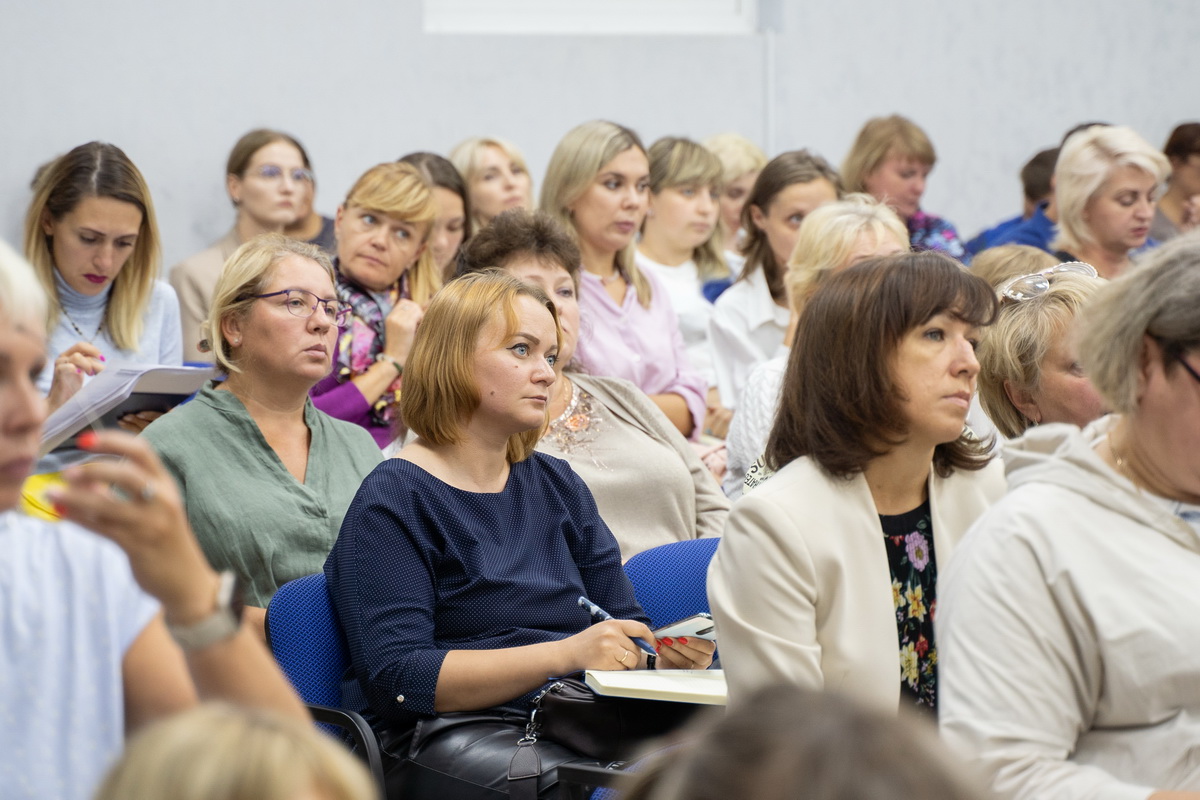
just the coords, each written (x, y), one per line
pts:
(304, 635)
(670, 580)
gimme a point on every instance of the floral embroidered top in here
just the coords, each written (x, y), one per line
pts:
(909, 541)
(927, 232)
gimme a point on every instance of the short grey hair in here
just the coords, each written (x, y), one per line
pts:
(1158, 297)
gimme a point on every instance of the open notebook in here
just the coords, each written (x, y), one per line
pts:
(705, 686)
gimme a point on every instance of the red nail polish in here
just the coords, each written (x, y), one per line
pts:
(683, 640)
(668, 641)
(86, 440)
(60, 509)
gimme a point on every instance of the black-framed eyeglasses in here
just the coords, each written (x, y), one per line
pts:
(1191, 370)
(274, 172)
(1024, 287)
(302, 303)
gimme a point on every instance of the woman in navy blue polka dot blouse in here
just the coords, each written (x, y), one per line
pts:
(460, 562)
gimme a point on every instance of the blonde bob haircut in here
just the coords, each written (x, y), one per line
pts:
(22, 298)
(1085, 162)
(676, 162)
(96, 169)
(440, 391)
(996, 265)
(737, 154)
(575, 163)
(247, 273)
(1157, 298)
(879, 139)
(398, 190)
(1012, 350)
(829, 236)
(465, 158)
(221, 752)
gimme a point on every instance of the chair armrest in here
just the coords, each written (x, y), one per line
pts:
(577, 781)
(365, 741)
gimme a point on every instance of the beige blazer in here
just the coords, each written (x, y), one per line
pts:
(800, 586)
(194, 280)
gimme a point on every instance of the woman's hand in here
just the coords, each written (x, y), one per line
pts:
(716, 417)
(145, 518)
(607, 645)
(136, 423)
(685, 652)
(72, 364)
(399, 329)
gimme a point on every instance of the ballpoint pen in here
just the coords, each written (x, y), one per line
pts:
(600, 615)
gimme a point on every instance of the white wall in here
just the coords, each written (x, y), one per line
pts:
(175, 84)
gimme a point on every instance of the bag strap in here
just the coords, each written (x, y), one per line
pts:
(524, 770)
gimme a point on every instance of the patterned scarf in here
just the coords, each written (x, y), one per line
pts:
(361, 339)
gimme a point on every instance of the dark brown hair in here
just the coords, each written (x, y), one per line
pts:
(782, 171)
(252, 142)
(1036, 174)
(1183, 141)
(841, 404)
(520, 232)
(438, 171)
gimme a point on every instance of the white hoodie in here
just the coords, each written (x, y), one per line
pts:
(1069, 630)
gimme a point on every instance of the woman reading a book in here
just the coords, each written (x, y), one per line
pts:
(460, 562)
(265, 476)
(91, 236)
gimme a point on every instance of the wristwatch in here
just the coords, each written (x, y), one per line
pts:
(221, 624)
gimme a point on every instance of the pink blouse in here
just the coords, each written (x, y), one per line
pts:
(639, 344)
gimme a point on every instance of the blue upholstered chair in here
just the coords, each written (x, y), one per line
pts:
(670, 580)
(303, 634)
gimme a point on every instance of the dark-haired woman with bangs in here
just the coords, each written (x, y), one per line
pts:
(827, 573)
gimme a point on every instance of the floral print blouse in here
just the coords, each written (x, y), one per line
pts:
(909, 541)
(927, 232)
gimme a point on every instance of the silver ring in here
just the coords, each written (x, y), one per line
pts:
(147, 494)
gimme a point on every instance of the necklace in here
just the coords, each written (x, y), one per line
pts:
(576, 428)
(82, 335)
(616, 276)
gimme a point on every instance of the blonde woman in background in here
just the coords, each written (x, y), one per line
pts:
(386, 274)
(219, 752)
(496, 175)
(999, 264)
(833, 237)
(267, 176)
(750, 319)
(597, 187)
(741, 161)
(891, 159)
(1107, 182)
(680, 247)
(92, 238)
(1029, 359)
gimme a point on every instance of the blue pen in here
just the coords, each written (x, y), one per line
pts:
(600, 615)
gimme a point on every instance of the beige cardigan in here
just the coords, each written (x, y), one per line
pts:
(194, 280)
(800, 586)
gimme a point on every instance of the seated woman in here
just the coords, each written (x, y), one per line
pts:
(1070, 615)
(265, 476)
(826, 576)
(891, 158)
(679, 247)
(459, 565)
(311, 225)
(741, 161)
(386, 276)
(750, 319)
(452, 227)
(621, 445)
(496, 176)
(1106, 186)
(265, 176)
(1178, 209)
(597, 186)
(89, 616)
(999, 264)
(92, 238)
(217, 752)
(833, 237)
(1029, 371)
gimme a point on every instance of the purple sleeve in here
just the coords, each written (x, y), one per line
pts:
(341, 400)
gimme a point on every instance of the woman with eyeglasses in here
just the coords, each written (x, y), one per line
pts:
(386, 275)
(91, 236)
(1029, 370)
(1069, 616)
(267, 177)
(266, 477)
